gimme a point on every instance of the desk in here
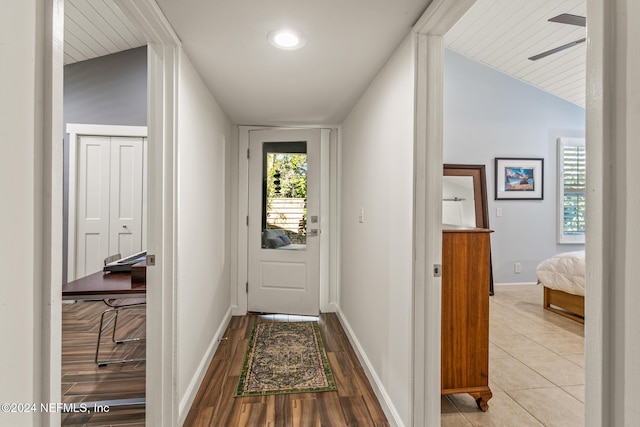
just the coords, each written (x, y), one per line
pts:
(101, 285)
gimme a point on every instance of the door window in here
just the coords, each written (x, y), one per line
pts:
(284, 201)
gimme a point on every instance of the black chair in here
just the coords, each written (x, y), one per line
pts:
(116, 305)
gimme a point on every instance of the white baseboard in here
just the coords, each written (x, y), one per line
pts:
(381, 393)
(194, 385)
(514, 284)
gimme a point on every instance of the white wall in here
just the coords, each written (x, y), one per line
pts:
(489, 114)
(203, 297)
(19, 230)
(376, 264)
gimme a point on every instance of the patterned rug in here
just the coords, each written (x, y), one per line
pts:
(285, 358)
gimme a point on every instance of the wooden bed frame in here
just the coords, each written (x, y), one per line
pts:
(564, 304)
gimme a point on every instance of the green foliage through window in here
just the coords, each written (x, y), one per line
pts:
(286, 175)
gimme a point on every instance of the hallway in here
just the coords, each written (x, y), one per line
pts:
(354, 402)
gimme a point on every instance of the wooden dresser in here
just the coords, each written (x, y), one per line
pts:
(465, 313)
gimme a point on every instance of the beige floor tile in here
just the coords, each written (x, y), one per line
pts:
(553, 407)
(556, 369)
(495, 388)
(450, 416)
(578, 359)
(503, 411)
(564, 324)
(496, 352)
(519, 345)
(561, 343)
(454, 419)
(511, 374)
(576, 391)
(528, 325)
(498, 327)
(447, 406)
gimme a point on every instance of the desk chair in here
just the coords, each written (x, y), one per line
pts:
(116, 306)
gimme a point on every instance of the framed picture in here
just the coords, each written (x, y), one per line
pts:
(519, 179)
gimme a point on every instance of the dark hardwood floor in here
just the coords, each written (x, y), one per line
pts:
(353, 404)
(83, 381)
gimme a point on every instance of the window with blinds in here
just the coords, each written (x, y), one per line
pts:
(571, 190)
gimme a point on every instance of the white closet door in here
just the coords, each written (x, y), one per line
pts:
(110, 200)
(125, 219)
(92, 241)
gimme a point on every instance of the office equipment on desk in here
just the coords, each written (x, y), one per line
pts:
(124, 264)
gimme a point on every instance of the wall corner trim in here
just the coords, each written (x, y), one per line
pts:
(381, 393)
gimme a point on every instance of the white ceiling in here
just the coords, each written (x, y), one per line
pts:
(348, 42)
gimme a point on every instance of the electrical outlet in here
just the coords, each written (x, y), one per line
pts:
(517, 268)
(361, 216)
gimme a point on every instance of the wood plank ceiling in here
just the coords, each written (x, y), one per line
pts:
(96, 28)
(504, 33)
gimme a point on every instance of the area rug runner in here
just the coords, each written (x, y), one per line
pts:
(285, 358)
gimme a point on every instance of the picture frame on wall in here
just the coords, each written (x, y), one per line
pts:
(519, 178)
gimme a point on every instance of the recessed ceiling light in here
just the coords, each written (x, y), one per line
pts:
(286, 39)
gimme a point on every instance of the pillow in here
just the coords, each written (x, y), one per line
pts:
(274, 243)
(285, 239)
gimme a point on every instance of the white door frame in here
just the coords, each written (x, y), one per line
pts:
(328, 227)
(48, 197)
(76, 130)
(163, 64)
(439, 17)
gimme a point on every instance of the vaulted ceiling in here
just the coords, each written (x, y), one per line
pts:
(96, 28)
(348, 42)
(503, 34)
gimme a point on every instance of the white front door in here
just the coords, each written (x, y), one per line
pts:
(284, 222)
(110, 200)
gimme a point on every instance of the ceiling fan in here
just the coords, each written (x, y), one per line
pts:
(565, 18)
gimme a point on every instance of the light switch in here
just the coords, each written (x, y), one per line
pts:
(498, 211)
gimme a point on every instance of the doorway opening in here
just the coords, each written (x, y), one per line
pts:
(106, 217)
(431, 29)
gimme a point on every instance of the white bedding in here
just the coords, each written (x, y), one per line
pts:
(563, 272)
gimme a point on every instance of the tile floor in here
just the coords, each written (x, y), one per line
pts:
(536, 367)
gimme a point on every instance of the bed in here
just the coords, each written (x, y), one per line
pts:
(563, 279)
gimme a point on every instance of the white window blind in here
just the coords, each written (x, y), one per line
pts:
(571, 190)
